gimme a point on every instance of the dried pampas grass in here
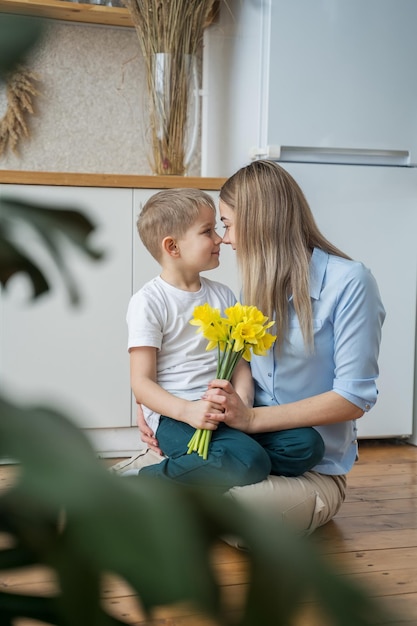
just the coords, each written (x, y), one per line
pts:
(170, 34)
(21, 90)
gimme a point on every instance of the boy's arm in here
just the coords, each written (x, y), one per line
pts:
(147, 392)
(242, 382)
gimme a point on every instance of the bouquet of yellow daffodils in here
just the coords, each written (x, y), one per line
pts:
(242, 331)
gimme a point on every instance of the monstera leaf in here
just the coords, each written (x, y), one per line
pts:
(52, 227)
(18, 35)
(156, 535)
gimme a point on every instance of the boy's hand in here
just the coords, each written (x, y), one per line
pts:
(202, 414)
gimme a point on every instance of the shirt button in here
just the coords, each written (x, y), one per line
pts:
(367, 407)
(269, 374)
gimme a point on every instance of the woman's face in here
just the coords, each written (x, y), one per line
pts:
(227, 217)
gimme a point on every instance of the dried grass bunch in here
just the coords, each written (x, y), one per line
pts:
(170, 34)
(20, 93)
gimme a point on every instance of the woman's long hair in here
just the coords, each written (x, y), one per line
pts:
(275, 236)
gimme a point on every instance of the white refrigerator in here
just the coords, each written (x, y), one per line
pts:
(328, 88)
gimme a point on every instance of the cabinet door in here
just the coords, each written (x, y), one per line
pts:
(74, 358)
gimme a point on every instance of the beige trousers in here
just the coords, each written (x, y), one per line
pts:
(305, 502)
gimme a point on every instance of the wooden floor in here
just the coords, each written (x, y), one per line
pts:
(373, 540)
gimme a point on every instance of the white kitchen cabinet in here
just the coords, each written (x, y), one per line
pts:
(75, 358)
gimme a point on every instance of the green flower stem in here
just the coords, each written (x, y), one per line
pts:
(200, 442)
(207, 439)
(194, 442)
(227, 362)
(221, 358)
(225, 372)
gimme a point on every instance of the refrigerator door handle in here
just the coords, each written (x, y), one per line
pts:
(342, 156)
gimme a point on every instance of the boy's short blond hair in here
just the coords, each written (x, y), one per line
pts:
(170, 213)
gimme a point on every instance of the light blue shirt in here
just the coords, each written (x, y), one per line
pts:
(347, 318)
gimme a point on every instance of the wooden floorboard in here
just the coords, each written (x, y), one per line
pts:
(372, 541)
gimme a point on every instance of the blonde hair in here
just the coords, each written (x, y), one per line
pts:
(170, 212)
(275, 236)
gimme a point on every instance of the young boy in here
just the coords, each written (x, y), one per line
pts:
(170, 366)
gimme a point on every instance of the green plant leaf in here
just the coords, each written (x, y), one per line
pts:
(52, 226)
(154, 534)
(60, 471)
(35, 607)
(18, 35)
(79, 582)
(16, 557)
(12, 262)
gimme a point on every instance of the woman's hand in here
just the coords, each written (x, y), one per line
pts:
(235, 413)
(146, 434)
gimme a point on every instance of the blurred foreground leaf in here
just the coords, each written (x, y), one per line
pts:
(53, 227)
(18, 35)
(154, 534)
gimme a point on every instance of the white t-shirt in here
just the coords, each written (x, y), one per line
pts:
(158, 316)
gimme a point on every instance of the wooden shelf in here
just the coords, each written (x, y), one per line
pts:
(74, 179)
(78, 12)
(69, 11)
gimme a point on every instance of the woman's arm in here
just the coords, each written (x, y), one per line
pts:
(147, 392)
(325, 408)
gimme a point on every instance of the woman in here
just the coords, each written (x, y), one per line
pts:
(323, 368)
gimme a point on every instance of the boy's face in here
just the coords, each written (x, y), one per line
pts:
(200, 246)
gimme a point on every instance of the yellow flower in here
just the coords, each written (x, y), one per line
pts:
(246, 333)
(248, 330)
(211, 325)
(263, 345)
(236, 336)
(204, 316)
(235, 314)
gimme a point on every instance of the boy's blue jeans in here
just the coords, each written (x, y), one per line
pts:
(234, 458)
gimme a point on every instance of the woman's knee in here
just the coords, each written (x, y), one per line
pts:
(314, 444)
(247, 461)
(259, 465)
(305, 449)
(293, 452)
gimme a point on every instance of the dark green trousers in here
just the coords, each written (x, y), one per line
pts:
(234, 458)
